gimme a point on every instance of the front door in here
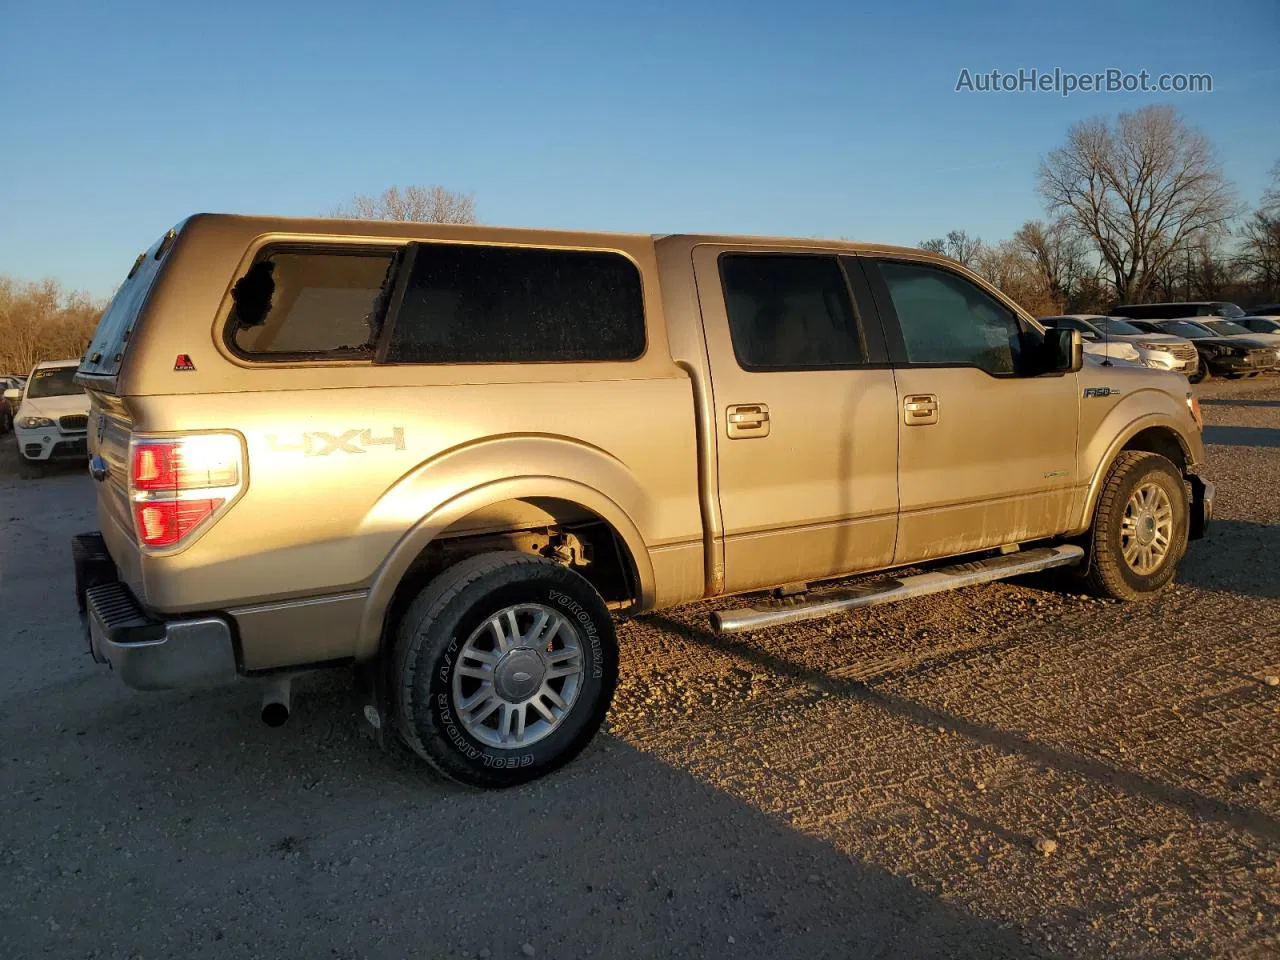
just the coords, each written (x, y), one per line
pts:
(987, 456)
(806, 432)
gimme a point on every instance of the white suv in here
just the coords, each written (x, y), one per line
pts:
(53, 413)
(1160, 351)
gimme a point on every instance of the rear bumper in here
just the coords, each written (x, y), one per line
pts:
(1201, 506)
(148, 652)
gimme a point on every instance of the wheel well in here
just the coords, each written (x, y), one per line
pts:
(1163, 441)
(557, 529)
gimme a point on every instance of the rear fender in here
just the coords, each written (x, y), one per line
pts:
(452, 486)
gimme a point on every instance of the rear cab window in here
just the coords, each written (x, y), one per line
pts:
(438, 303)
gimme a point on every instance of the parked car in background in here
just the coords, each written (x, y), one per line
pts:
(1231, 328)
(1261, 324)
(1264, 310)
(7, 407)
(53, 413)
(1161, 351)
(1175, 311)
(1220, 356)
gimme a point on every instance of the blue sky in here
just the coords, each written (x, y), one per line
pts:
(796, 118)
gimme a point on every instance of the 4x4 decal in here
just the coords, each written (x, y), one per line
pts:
(320, 444)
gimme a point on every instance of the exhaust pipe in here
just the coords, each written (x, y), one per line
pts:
(275, 701)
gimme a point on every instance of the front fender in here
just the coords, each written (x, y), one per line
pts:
(457, 483)
(1140, 410)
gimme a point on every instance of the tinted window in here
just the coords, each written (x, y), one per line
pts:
(1118, 328)
(1192, 331)
(475, 304)
(1071, 323)
(946, 319)
(309, 303)
(789, 311)
(1226, 328)
(1261, 325)
(53, 382)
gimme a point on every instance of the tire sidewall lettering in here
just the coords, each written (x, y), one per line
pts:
(440, 674)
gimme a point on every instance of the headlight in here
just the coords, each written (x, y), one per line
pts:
(1157, 347)
(34, 423)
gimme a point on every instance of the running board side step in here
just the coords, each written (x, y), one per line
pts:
(892, 589)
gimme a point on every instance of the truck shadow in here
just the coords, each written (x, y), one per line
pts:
(1251, 575)
(1197, 804)
(1226, 402)
(617, 854)
(1242, 436)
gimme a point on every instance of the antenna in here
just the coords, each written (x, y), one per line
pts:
(1106, 343)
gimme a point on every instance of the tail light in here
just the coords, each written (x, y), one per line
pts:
(178, 485)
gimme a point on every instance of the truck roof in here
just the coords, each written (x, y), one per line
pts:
(414, 230)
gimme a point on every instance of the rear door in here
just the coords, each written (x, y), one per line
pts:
(805, 416)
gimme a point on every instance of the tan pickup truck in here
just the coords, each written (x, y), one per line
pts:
(450, 456)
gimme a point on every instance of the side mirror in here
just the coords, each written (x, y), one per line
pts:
(12, 394)
(1064, 351)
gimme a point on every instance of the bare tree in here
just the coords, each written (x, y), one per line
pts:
(1139, 189)
(1259, 256)
(1271, 196)
(957, 245)
(1058, 254)
(1009, 267)
(432, 204)
(41, 321)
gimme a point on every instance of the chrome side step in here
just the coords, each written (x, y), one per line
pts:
(891, 589)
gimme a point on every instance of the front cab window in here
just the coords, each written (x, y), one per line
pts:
(947, 321)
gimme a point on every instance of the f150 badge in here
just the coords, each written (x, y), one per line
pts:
(1100, 392)
(317, 443)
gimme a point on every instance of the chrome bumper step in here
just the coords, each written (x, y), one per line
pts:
(891, 589)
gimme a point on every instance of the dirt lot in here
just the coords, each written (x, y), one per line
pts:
(870, 786)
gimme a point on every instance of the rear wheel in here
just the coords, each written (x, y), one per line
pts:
(505, 667)
(1139, 531)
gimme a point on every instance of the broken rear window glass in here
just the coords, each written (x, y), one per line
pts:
(310, 304)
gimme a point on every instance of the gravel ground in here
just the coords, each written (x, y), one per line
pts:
(1007, 771)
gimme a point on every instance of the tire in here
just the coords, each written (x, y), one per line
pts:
(450, 624)
(1201, 375)
(1111, 574)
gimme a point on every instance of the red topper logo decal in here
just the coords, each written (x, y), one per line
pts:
(183, 363)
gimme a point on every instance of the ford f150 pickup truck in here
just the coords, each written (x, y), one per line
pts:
(451, 456)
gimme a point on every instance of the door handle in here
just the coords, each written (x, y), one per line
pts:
(920, 409)
(747, 420)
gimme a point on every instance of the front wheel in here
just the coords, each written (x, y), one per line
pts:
(1139, 531)
(505, 667)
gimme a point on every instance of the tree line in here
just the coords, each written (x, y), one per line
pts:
(1139, 211)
